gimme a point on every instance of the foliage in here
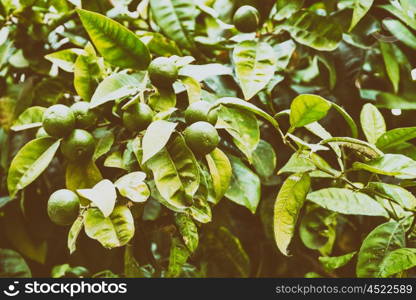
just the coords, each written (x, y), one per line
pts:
(315, 157)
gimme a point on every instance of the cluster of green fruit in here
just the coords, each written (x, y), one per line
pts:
(71, 124)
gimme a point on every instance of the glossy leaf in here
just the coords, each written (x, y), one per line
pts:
(221, 172)
(243, 177)
(30, 162)
(238, 103)
(306, 109)
(176, 18)
(115, 86)
(347, 202)
(310, 29)
(176, 173)
(113, 231)
(103, 195)
(116, 43)
(74, 232)
(395, 137)
(30, 118)
(398, 261)
(391, 63)
(361, 7)
(133, 186)
(82, 176)
(372, 123)
(396, 165)
(384, 239)
(103, 145)
(87, 73)
(264, 159)
(255, 64)
(65, 59)
(156, 137)
(395, 192)
(287, 207)
(242, 126)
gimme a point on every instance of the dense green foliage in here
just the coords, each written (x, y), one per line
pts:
(196, 143)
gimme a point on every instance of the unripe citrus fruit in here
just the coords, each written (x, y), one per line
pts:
(201, 137)
(58, 120)
(137, 117)
(162, 72)
(78, 145)
(200, 111)
(84, 117)
(63, 207)
(246, 19)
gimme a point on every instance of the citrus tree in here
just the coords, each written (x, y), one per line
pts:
(207, 138)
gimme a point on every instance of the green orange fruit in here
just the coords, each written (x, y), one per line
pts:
(58, 120)
(246, 19)
(79, 145)
(201, 137)
(63, 207)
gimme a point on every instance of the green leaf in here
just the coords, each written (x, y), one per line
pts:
(289, 202)
(242, 178)
(177, 19)
(103, 145)
(87, 73)
(65, 59)
(115, 86)
(396, 137)
(176, 173)
(286, 8)
(396, 165)
(12, 265)
(103, 195)
(299, 162)
(372, 123)
(264, 159)
(332, 263)
(31, 160)
(319, 32)
(347, 202)
(162, 101)
(113, 231)
(391, 63)
(117, 44)
(242, 126)
(74, 233)
(188, 230)
(178, 256)
(221, 172)
(82, 176)
(361, 7)
(398, 261)
(156, 137)
(401, 32)
(395, 192)
(306, 109)
(200, 209)
(384, 239)
(255, 64)
(30, 118)
(193, 89)
(238, 103)
(133, 187)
